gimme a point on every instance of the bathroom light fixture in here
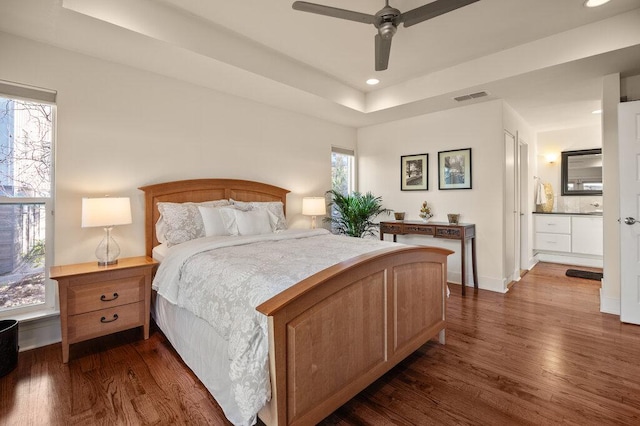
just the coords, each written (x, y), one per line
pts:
(373, 81)
(314, 206)
(597, 111)
(551, 158)
(595, 3)
(106, 212)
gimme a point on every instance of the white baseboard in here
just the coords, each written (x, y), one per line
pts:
(609, 305)
(39, 332)
(484, 283)
(568, 259)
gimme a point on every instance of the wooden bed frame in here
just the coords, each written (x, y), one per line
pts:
(336, 332)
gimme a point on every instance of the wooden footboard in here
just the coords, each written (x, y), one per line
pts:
(338, 331)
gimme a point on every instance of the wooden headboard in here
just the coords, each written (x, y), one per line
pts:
(199, 190)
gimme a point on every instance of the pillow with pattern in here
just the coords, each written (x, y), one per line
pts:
(182, 222)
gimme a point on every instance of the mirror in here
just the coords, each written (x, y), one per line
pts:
(582, 172)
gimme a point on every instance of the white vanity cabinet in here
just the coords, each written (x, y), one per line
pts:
(570, 239)
(587, 235)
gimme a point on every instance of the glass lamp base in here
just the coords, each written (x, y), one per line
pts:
(108, 250)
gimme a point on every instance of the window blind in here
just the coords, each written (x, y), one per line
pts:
(23, 91)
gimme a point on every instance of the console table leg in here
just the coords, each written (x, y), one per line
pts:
(463, 262)
(473, 262)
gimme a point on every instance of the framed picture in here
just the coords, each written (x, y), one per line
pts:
(454, 169)
(414, 172)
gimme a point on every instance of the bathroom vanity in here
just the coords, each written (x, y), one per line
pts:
(571, 238)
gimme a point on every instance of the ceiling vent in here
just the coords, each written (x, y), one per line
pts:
(471, 96)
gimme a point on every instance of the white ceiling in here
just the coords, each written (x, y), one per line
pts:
(544, 57)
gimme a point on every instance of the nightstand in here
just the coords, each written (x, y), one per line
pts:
(100, 300)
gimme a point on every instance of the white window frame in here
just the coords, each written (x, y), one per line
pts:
(10, 90)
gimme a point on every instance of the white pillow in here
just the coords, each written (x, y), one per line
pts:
(212, 220)
(274, 207)
(253, 222)
(181, 222)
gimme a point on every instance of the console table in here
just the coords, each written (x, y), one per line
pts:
(462, 232)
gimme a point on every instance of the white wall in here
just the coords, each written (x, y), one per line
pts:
(478, 127)
(630, 87)
(610, 291)
(119, 128)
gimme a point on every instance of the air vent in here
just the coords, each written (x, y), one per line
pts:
(471, 96)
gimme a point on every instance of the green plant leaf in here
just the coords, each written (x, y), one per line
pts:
(354, 213)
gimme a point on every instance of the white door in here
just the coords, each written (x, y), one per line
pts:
(523, 195)
(629, 149)
(511, 208)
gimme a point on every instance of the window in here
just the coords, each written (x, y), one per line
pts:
(27, 117)
(342, 170)
(342, 174)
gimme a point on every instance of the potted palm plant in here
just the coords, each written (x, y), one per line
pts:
(354, 213)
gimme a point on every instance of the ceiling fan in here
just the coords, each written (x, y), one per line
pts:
(386, 20)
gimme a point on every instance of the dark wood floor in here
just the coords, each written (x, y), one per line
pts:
(542, 354)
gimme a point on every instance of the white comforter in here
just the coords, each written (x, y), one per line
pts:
(223, 279)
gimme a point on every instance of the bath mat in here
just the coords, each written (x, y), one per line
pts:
(584, 274)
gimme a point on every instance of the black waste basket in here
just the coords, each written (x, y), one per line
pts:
(8, 346)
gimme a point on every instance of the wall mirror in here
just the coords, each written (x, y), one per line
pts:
(582, 172)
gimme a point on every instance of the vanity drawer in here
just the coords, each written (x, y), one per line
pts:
(553, 224)
(553, 242)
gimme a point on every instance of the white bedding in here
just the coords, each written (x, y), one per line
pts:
(221, 280)
(159, 252)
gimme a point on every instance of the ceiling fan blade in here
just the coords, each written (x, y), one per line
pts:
(333, 12)
(383, 50)
(431, 10)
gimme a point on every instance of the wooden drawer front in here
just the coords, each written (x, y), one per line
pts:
(390, 228)
(553, 224)
(87, 326)
(555, 242)
(92, 297)
(454, 233)
(420, 229)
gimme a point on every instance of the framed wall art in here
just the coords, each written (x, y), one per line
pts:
(414, 172)
(454, 169)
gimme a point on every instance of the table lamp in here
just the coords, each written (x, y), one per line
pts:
(314, 206)
(106, 212)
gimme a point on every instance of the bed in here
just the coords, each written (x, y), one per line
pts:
(329, 335)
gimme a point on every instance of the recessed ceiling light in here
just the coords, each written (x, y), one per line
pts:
(598, 111)
(595, 3)
(373, 81)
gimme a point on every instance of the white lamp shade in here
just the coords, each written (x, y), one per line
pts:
(314, 206)
(106, 211)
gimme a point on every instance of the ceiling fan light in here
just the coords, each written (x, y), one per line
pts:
(595, 3)
(387, 30)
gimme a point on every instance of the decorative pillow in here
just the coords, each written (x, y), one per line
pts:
(182, 221)
(212, 220)
(251, 222)
(275, 207)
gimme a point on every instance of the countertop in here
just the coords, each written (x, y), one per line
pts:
(573, 213)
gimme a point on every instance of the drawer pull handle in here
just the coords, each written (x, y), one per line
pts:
(104, 320)
(104, 298)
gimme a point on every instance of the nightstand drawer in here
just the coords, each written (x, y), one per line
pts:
(105, 321)
(92, 297)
